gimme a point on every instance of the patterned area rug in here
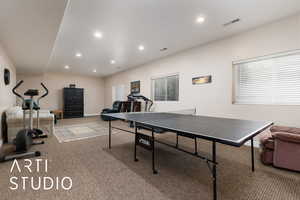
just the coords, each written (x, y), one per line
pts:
(70, 133)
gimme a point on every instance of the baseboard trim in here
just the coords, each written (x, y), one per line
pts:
(91, 115)
(255, 143)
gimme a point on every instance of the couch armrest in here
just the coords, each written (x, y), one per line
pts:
(266, 140)
(106, 109)
(285, 129)
(287, 137)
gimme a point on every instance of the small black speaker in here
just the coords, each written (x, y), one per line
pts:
(6, 76)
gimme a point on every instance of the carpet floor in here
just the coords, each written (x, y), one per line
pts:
(102, 174)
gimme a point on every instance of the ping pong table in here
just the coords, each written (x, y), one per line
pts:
(233, 132)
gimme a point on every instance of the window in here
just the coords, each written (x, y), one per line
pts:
(271, 79)
(118, 93)
(165, 88)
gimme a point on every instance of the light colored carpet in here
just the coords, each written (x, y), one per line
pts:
(100, 173)
(68, 133)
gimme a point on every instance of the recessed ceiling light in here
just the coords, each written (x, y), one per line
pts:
(141, 47)
(67, 67)
(98, 34)
(94, 71)
(112, 62)
(78, 55)
(200, 20)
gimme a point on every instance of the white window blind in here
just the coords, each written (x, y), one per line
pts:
(271, 79)
(165, 88)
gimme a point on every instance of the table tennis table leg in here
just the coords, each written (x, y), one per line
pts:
(214, 170)
(252, 154)
(196, 148)
(135, 143)
(109, 134)
(153, 152)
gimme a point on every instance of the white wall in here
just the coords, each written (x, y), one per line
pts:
(7, 98)
(215, 59)
(55, 82)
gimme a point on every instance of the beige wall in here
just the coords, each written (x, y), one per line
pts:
(7, 99)
(215, 59)
(93, 90)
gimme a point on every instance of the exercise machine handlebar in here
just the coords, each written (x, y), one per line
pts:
(21, 97)
(44, 95)
(138, 96)
(16, 87)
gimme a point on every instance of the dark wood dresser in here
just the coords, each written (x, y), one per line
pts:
(73, 102)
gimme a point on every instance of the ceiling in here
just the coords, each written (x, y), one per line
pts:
(28, 29)
(44, 36)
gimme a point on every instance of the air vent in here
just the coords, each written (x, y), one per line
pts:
(232, 22)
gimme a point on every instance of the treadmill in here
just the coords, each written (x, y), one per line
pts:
(133, 97)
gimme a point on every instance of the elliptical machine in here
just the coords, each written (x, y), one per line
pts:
(37, 132)
(24, 138)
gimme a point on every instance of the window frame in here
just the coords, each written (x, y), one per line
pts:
(235, 77)
(153, 78)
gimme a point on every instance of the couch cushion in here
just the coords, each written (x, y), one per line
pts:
(285, 129)
(287, 137)
(265, 136)
(15, 115)
(13, 109)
